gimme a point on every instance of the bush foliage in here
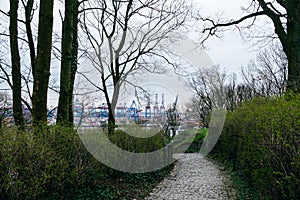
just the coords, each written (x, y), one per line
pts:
(197, 141)
(260, 141)
(52, 163)
(44, 163)
(135, 144)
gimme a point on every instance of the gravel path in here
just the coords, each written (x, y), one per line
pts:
(196, 178)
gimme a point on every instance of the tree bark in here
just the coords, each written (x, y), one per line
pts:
(66, 63)
(293, 45)
(28, 12)
(15, 64)
(74, 61)
(289, 38)
(111, 108)
(41, 68)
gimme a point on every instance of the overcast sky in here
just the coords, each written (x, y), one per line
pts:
(230, 52)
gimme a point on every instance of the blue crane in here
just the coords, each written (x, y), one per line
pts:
(134, 112)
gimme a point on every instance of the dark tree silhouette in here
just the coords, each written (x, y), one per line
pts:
(285, 15)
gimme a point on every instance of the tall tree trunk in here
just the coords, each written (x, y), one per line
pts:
(28, 12)
(15, 63)
(74, 61)
(66, 62)
(41, 68)
(111, 118)
(111, 107)
(293, 45)
(28, 17)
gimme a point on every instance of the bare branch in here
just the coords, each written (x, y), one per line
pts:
(212, 30)
(7, 35)
(7, 15)
(91, 82)
(279, 29)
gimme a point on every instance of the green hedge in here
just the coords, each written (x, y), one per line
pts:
(260, 141)
(42, 164)
(137, 145)
(52, 163)
(197, 141)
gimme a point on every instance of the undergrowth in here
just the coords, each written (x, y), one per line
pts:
(52, 163)
(260, 144)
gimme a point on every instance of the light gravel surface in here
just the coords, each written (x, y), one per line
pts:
(194, 177)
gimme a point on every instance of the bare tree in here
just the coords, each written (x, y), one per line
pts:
(237, 94)
(285, 15)
(86, 112)
(214, 90)
(231, 93)
(197, 111)
(268, 74)
(124, 37)
(68, 61)
(15, 63)
(38, 62)
(41, 67)
(74, 64)
(15, 73)
(209, 88)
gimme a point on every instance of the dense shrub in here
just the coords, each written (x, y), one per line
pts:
(198, 141)
(52, 163)
(139, 145)
(43, 163)
(135, 144)
(260, 141)
(125, 186)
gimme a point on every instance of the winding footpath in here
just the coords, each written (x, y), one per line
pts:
(194, 177)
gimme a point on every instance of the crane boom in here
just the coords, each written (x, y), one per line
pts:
(175, 103)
